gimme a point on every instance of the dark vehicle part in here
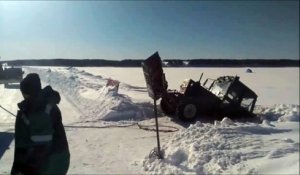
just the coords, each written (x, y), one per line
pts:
(169, 102)
(187, 110)
(10, 75)
(155, 78)
(225, 96)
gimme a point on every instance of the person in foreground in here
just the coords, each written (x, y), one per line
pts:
(41, 145)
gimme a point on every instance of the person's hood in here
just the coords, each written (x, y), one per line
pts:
(49, 95)
(31, 85)
(45, 96)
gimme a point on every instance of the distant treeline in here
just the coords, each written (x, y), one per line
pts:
(166, 63)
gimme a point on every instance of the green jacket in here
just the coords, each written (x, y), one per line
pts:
(41, 145)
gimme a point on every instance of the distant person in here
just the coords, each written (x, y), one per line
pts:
(41, 145)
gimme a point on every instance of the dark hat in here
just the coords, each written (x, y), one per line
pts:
(31, 84)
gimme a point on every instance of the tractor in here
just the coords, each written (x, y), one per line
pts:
(215, 99)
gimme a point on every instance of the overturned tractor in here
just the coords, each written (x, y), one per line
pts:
(225, 96)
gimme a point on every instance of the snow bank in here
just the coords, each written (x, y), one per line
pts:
(223, 147)
(89, 94)
(279, 112)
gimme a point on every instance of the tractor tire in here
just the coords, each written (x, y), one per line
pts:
(167, 108)
(187, 111)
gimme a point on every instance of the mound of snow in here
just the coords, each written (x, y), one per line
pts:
(89, 94)
(279, 112)
(214, 149)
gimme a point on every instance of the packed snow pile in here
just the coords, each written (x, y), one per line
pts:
(80, 87)
(222, 147)
(278, 112)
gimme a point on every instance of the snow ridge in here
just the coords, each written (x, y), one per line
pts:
(75, 85)
(279, 112)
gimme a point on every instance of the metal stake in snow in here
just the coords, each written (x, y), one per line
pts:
(158, 153)
(154, 76)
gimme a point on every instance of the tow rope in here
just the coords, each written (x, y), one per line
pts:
(7, 111)
(140, 126)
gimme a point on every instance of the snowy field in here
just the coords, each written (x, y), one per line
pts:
(104, 135)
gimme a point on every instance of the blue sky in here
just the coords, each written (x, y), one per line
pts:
(119, 30)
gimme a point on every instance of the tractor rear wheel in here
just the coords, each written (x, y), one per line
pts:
(187, 111)
(167, 107)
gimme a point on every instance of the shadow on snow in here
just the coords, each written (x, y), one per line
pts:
(5, 140)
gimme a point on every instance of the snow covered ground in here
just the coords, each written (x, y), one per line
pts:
(104, 137)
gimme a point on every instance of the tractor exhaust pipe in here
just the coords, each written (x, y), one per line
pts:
(200, 77)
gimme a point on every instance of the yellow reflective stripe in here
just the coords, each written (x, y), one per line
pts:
(41, 138)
